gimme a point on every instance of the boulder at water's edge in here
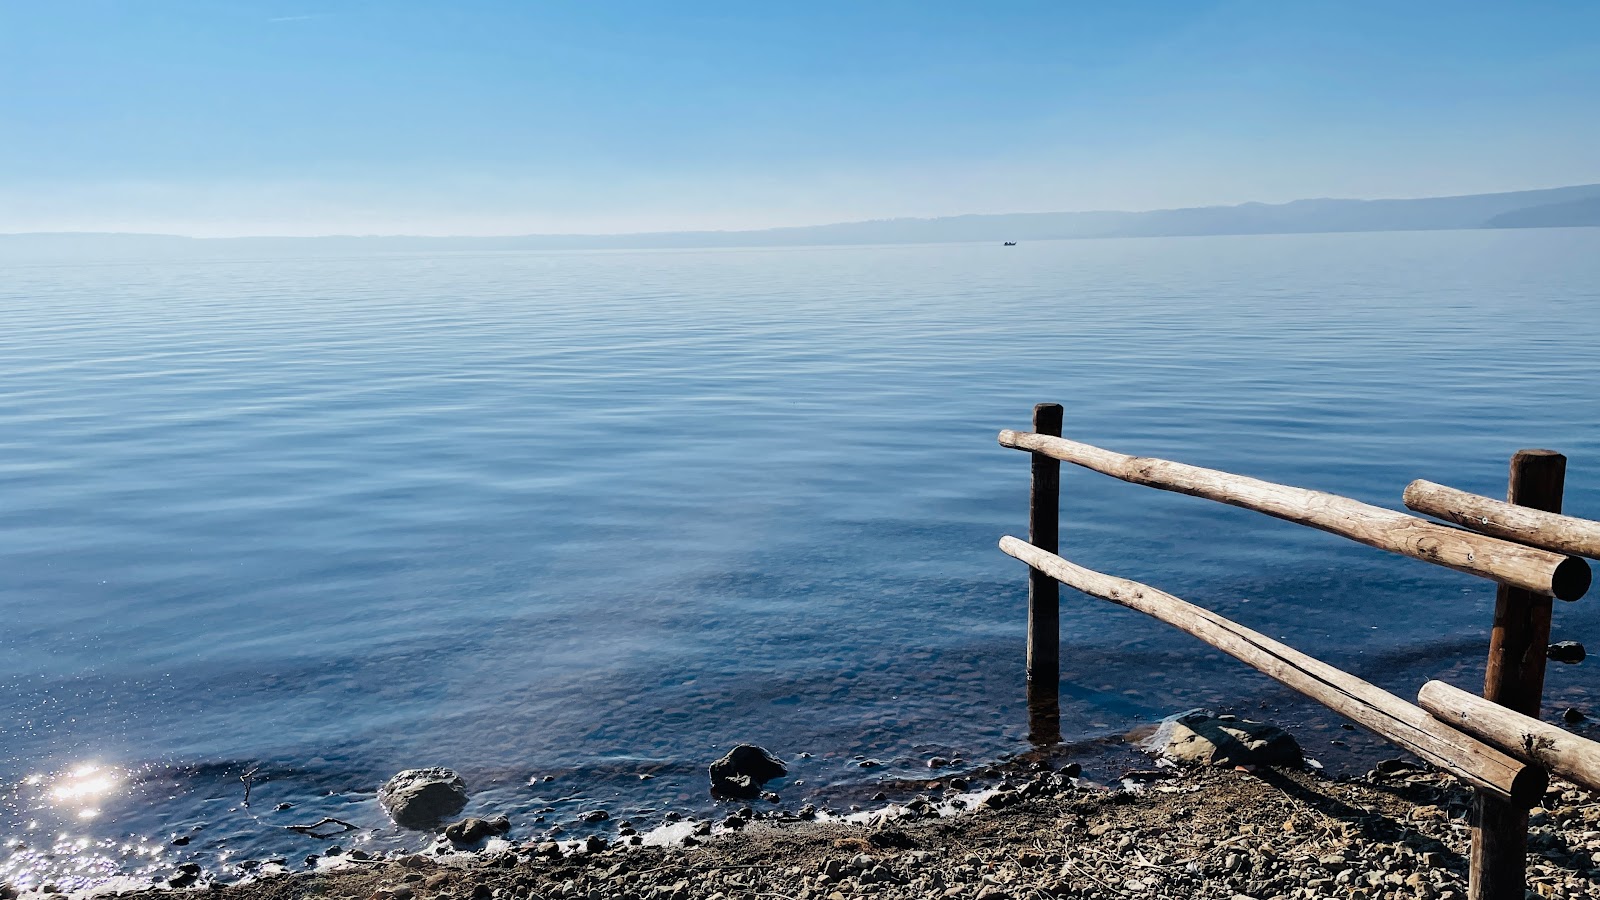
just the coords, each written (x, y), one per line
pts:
(1200, 737)
(420, 798)
(741, 773)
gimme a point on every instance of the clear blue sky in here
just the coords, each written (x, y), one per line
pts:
(401, 116)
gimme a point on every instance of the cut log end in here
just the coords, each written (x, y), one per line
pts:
(1571, 579)
(1528, 786)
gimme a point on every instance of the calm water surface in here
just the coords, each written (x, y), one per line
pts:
(601, 515)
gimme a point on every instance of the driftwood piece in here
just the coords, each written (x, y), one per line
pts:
(312, 830)
(1462, 755)
(1528, 568)
(1574, 758)
(1537, 528)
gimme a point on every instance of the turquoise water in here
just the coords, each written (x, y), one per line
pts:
(601, 515)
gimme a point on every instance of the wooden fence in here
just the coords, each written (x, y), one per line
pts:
(1495, 743)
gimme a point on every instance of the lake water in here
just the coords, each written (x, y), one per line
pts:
(602, 515)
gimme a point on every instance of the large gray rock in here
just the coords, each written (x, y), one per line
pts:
(420, 798)
(1199, 736)
(744, 770)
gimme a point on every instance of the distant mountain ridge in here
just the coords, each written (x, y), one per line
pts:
(1574, 206)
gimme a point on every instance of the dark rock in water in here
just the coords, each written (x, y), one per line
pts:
(1566, 652)
(188, 874)
(1200, 737)
(470, 831)
(1573, 716)
(594, 843)
(420, 798)
(741, 773)
(1072, 770)
(594, 815)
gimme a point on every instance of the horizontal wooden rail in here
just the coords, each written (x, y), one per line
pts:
(1462, 755)
(1546, 530)
(1528, 568)
(1521, 736)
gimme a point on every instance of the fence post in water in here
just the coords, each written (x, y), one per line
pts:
(1515, 679)
(1044, 594)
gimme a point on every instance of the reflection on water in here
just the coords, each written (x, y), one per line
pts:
(601, 516)
(83, 788)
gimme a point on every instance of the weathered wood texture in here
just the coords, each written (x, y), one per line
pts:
(1468, 758)
(1531, 569)
(1497, 861)
(1545, 530)
(1044, 595)
(1514, 678)
(1527, 738)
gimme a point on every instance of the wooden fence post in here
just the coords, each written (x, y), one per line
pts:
(1044, 593)
(1515, 679)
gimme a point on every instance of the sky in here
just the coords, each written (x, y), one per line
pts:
(525, 116)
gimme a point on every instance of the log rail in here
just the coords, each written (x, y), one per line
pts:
(1528, 568)
(1534, 527)
(1462, 755)
(1562, 752)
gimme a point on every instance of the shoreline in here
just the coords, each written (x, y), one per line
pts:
(1397, 832)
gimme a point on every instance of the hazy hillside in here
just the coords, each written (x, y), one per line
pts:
(1565, 206)
(1570, 214)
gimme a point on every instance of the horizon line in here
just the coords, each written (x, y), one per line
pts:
(775, 228)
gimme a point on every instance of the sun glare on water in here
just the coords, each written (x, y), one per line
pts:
(84, 787)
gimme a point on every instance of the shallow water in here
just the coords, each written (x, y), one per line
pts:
(601, 515)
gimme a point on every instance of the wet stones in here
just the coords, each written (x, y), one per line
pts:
(1200, 737)
(470, 831)
(741, 773)
(420, 798)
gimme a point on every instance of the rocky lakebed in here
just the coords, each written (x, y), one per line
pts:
(1222, 808)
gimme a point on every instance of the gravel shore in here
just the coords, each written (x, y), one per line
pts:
(1399, 832)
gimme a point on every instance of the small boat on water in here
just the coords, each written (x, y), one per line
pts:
(1011, 243)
